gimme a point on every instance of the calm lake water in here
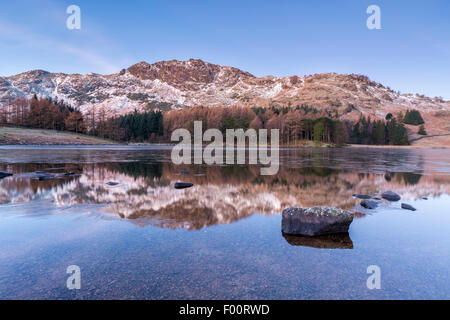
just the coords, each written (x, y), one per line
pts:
(221, 239)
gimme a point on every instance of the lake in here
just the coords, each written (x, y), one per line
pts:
(221, 239)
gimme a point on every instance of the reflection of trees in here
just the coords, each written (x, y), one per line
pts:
(408, 178)
(137, 169)
(222, 194)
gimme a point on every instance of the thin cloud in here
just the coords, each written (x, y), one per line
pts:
(27, 38)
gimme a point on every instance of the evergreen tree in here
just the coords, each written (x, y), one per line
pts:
(413, 117)
(380, 133)
(422, 130)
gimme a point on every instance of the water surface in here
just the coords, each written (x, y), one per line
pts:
(221, 239)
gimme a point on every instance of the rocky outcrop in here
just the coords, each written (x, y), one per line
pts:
(193, 72)
(315, 221)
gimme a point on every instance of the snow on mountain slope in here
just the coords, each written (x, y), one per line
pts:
(169, 84)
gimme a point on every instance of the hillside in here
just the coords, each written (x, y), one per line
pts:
(21, 136)
(176, 84)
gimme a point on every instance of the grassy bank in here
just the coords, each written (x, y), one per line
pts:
(24, 136)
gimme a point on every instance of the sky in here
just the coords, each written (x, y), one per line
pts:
(410, 53)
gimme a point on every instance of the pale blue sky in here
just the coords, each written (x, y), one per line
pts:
(411, 53)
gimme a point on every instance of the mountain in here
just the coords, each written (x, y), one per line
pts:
(169, 84)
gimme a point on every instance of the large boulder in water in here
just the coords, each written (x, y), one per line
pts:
(4, 174)
(315, 221)
(390, 196)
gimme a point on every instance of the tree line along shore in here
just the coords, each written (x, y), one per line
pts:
(297, 125)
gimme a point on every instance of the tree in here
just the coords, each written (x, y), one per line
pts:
(340, 136)
(323, 128)
(355, 135)
(397, 134)
(422, 130)
(256, 123)
(413, 117)
(292, 126)
(380, 133)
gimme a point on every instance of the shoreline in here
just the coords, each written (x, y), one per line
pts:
(113, 145)
(362, 146)
(10, 136)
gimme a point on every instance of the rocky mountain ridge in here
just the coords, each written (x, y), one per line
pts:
(172, 84)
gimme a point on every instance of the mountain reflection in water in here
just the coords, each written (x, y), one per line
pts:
(221, 194)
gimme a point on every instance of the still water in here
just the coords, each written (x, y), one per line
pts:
(221, 239)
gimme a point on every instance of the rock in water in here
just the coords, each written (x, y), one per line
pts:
(369, 204)
(390, 196)
(4, 174)
(45, 177)
(183, 185)
(42, 176)
(408, 207)
(362, 196)
(315, 221)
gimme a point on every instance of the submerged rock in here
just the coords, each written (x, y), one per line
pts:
(369, 204)
(4, 174)
(328, 241)
(315, 221)
(408, 207)
(362, 196)
(70, 175)
(45, 177)
(390, 196)
(183, 185)
(42, 176)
